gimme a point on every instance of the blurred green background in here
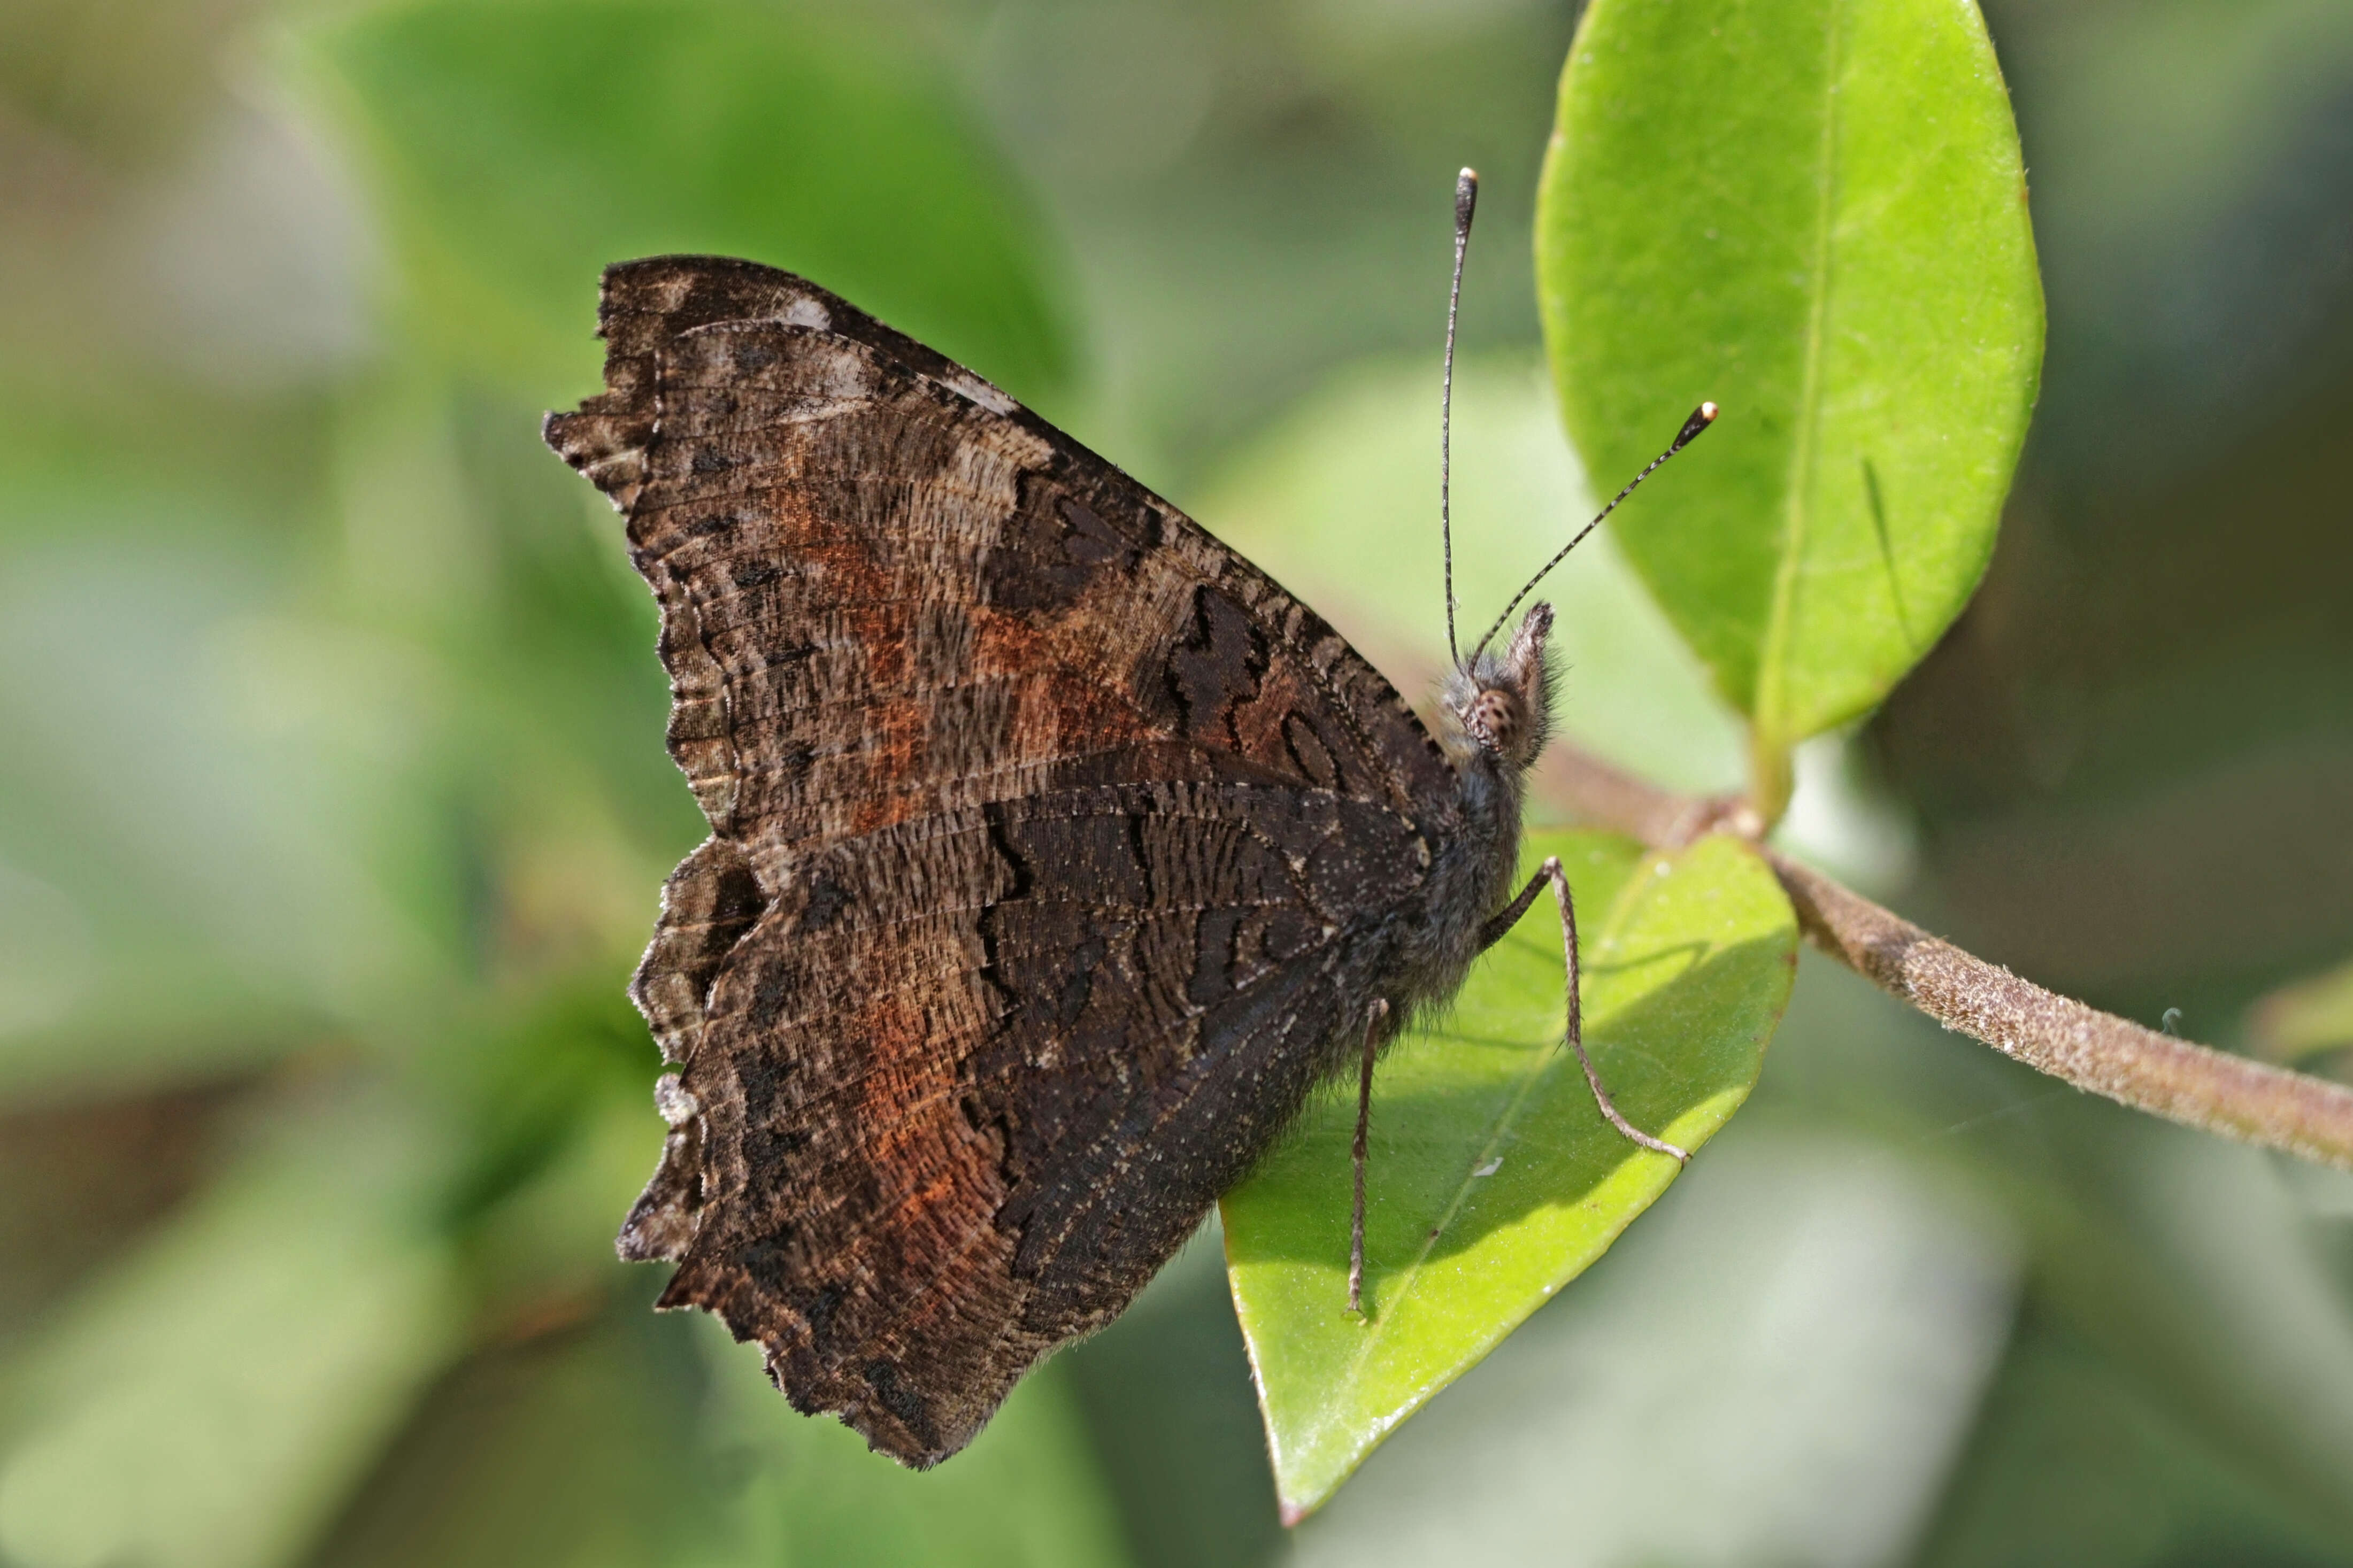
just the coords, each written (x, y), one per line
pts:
(332, 803)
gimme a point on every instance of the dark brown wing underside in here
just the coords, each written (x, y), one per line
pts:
(1048, 835)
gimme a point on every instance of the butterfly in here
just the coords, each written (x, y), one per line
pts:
(1056, 852)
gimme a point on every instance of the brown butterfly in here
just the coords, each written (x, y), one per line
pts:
(1057, 853)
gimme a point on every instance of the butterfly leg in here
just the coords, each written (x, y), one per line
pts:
(1500, 926)
(1381, 1010)
(1494, 930)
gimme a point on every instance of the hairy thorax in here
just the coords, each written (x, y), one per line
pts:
(1491, 718)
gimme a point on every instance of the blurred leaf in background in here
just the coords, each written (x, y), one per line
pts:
(2312, 1016)
(518, 148)
(812, 1494)
(213, 1397)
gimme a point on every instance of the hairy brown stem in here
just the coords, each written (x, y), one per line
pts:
(2097, 1051)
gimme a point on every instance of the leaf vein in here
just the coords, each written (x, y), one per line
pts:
(1772, 695)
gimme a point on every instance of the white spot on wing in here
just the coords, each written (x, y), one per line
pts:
(807, 312)
(673, 1099)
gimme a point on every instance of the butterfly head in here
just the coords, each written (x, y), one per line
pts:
(1498, 706)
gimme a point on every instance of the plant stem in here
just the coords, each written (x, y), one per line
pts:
(2192, 1084)
(1770, 779)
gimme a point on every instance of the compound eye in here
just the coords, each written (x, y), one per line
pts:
(1495, 717)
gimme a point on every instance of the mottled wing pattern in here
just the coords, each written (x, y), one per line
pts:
(1047, 834)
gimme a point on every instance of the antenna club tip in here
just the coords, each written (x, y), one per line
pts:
(1701, 418)
(1466, 196)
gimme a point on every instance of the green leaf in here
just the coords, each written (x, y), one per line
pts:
(1494, 1179)
(516, 149)
(1813, 213)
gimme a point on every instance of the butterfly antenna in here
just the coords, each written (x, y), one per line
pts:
(1466, 202)
(1701, 418)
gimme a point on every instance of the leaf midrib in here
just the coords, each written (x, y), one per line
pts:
(1619, 914)
(1772, 697)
